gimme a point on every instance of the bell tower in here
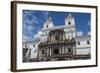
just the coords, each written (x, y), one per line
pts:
(48, 24)
(70, 29)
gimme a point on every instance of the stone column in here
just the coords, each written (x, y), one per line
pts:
(50, 50)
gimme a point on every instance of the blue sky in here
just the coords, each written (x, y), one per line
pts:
(33, 22)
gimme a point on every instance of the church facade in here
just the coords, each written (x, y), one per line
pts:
(62, 43)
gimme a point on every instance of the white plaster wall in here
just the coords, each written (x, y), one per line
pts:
(50, 24)
(83, 44)
(84, 51)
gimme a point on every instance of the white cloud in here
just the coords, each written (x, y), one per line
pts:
(80, 33)
(45, 15)
(34, 20)
(26, 38)
(30, 21)
(27, 11)
(89, 23)
(29, 28)
(89, 33)
(38, 35)
(27, 21)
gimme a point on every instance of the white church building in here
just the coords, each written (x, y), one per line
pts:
(70, 45)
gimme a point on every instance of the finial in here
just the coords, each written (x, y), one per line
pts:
(49, 19)
(70, 15)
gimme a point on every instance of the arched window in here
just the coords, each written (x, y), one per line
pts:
(78, 43)
(46, 26)
(88, 42)
(69, 51)
(69, 23)
(33, 45)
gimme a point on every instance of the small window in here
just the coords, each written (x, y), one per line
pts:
(69, 50)
(34, 45)
(46, 26)
(69, 23)
(78, 43)
(42, 51)
(88, 42)
(56, 38)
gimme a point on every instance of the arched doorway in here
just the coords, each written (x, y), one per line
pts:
(56, 51)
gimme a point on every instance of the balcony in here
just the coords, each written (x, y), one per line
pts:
(57, 42)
